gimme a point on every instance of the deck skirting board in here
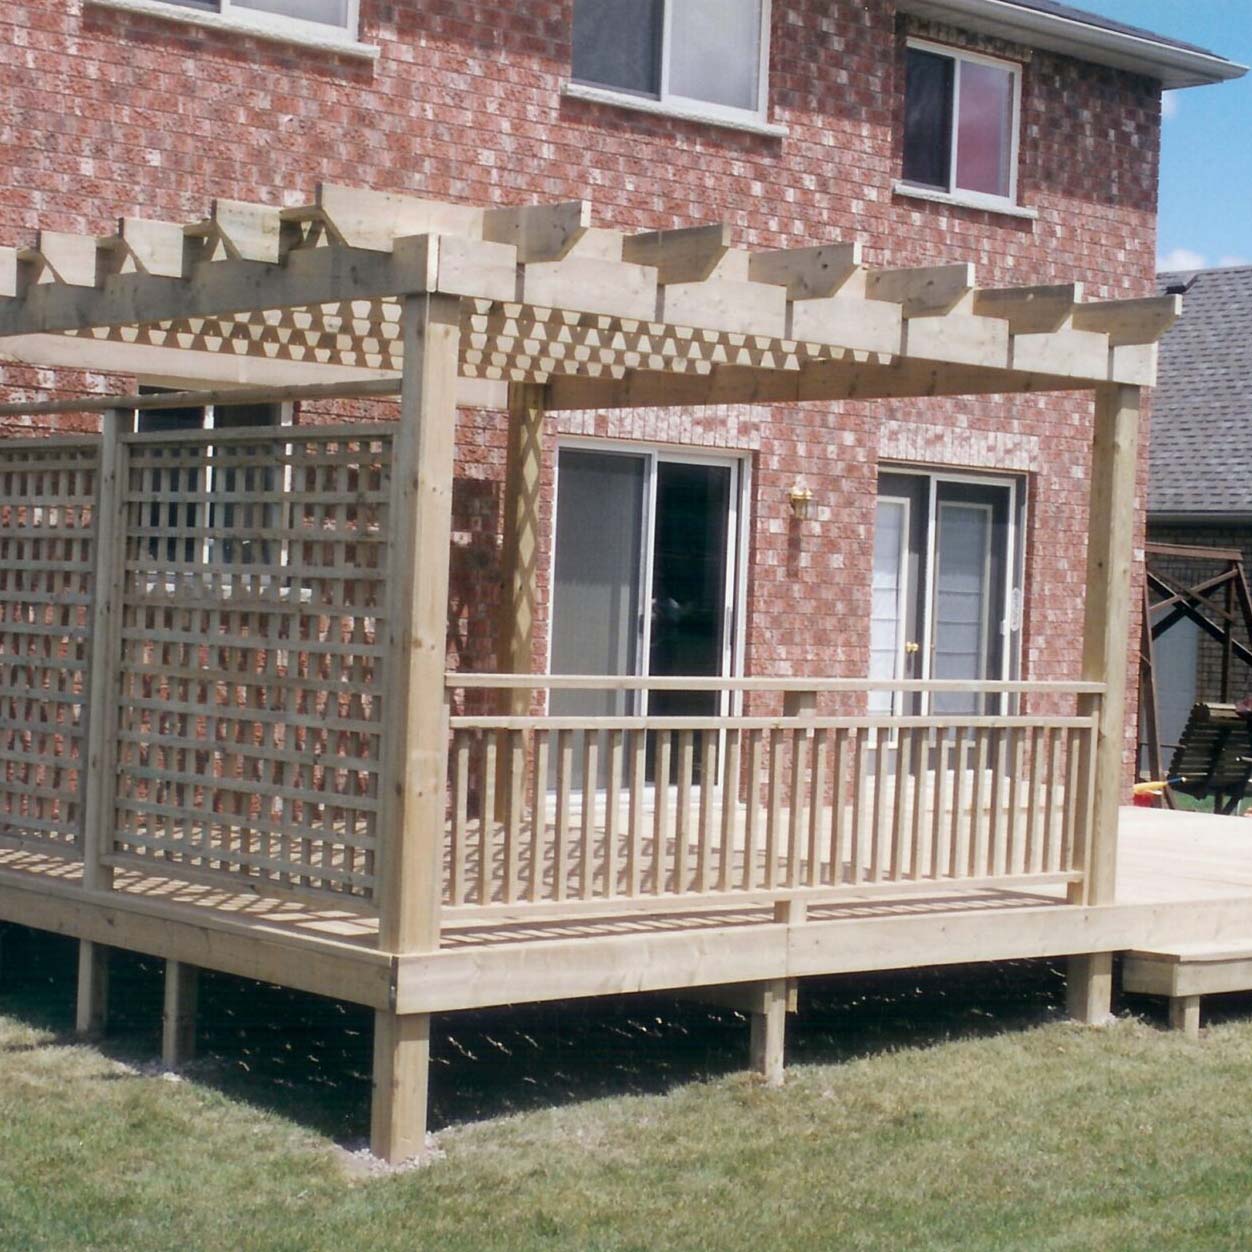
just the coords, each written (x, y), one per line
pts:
(558, 969)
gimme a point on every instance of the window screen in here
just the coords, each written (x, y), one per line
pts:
(928, 119)
(617, 43)
(715, 51)
(329, 12)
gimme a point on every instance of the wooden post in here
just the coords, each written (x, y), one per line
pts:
(519, 586)
(520, 556)
(1184, 1015)
(1106, 637)
(415, 732)
(769, 1030)
(100, 782)
(178, 1023)
(401, 1085)
(92, 1012)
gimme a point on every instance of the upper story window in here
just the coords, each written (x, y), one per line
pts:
(961, 114)
(705, 56)
(338, 15)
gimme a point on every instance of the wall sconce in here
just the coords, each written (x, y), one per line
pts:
(800, 498)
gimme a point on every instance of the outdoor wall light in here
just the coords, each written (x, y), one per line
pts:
(801, 500)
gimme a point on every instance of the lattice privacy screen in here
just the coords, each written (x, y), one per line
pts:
(253, 589)
(47, 494)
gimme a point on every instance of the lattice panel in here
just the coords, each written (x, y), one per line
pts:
(249, 731)
(47, 498)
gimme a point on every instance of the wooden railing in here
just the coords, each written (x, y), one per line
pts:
(569, 811)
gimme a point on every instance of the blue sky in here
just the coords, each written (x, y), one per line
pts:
(1206, 164)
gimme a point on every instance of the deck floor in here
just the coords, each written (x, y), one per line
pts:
(1164, 858)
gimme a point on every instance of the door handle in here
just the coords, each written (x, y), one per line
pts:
(912, 648)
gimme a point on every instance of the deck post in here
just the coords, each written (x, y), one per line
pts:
(178, 1022)
(415, 730)
(769, 1031)
(92, 1010)
(1184, 1015)
(520, 556)
(1105, 658)
(99, 781)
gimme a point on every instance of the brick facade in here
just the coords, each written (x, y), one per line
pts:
(110, 114)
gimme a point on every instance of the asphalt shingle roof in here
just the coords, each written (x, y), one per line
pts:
(1201, 444)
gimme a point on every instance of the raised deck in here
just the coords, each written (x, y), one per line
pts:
(1183, 879)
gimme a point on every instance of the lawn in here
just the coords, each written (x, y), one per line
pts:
(1002, 1128)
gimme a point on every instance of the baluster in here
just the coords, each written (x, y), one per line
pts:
(638, 780)
(538, 816)
(660, 823)
(752, 817)
(586, 843)
(612, 814)
(460, 815)
(561, 836)
(817, 808)
(704, 831)
(979, 824)
(682, 816)
(773, 819)
(730, 809)
(486, 826)
(959, 835)
(516, 805)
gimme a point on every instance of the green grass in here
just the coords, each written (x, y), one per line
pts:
(1045, 1137)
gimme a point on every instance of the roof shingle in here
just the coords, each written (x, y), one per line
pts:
(1201, 445)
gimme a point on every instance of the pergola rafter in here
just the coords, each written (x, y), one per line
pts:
(606, 317)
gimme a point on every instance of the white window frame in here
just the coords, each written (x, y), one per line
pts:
(952, 193)
(675, 105)
(1010, 624)
(229, 16)
(734, 612)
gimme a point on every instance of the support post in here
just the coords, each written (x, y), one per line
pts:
(1089, 989)
(1106, 636)
(1184, 1015)
(520, 556)
(769, 1030)
(401, 1085)
(92, 1012)
(104, 663)
(415, 726)
(178, 1022)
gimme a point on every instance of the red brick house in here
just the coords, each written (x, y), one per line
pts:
(155, 107)
(866, 158)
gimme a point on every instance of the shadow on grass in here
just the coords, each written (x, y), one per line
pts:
(308, 1058)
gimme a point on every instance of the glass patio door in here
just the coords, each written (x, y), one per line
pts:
(643, 577)
(944, 592)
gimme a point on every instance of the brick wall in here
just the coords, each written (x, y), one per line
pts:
(109, 114)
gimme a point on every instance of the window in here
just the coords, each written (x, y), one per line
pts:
(709, 55)
(961, 124)
(337, 14)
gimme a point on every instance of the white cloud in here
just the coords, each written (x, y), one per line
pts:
(1227, 261)
(1181, 259)
(1169, 105)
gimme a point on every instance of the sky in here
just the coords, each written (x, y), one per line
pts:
(1206, 160)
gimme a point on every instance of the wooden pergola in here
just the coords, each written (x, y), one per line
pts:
(363, 294)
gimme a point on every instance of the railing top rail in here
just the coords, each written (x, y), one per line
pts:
(355, 431)
(87, 441)
(590, 682)
(936, 722)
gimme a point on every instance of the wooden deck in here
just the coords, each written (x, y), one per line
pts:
(1182, 878)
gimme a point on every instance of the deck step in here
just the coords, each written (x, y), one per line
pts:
(1186, 971)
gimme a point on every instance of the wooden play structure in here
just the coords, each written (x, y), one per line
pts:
(227, 737)
(1213, 758)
